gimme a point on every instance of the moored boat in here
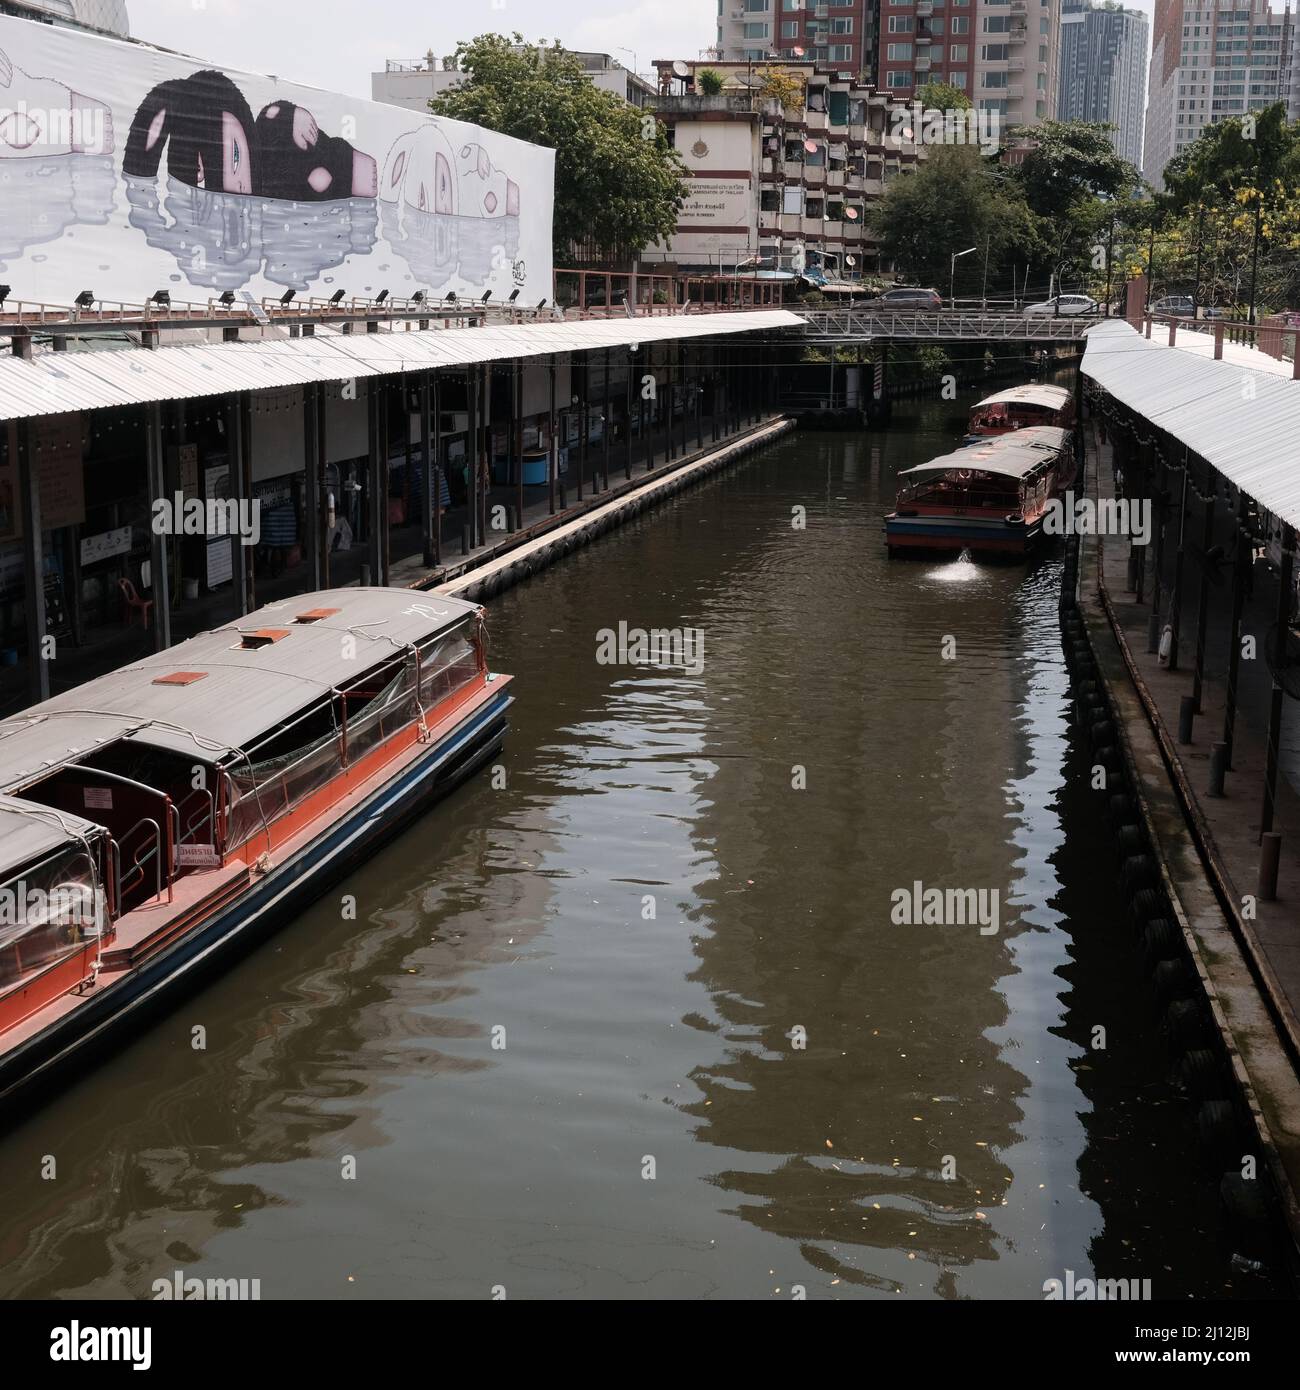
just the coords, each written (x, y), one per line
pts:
(1018, 408)
(990, 497)
(156, 819)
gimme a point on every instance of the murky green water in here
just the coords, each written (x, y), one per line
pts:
(639, 1025)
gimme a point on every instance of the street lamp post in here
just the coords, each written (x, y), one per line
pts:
(952, 273)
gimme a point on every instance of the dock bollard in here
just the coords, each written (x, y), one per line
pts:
(1131, 582)
(1218, 767)
(1270, 854)
(1186, 713)
(464, 540)
(1153, 633)
(364, 578)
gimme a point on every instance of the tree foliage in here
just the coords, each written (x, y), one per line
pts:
(942, 96)
(618, 182)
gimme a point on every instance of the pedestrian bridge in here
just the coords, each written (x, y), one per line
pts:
(946, 326)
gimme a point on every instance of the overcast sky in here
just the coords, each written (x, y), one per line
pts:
(338, 43)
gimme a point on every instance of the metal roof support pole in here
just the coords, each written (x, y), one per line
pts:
(583, 429)
(381, 489)
(1283, 620)
(1240, 573)
(471, 461)
(607, 422)
(646, 442)
(484, 378)
(1157, 474)
(159, 575)
(1176, 598)
(322, 435)
(1203, 594)
(312, 482)
(436, 407)
(517, 392)
(374, 494)
(237, 434)
(29, 491)
(428, 483)
(627, 418)
(553, 463)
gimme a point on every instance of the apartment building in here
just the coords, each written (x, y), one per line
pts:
(1103, 71)
(414, 82)
(1210, 60)
(1001, 53)
(838, 37)
(773, 185)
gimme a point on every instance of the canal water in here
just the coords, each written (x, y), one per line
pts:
(640, 1022)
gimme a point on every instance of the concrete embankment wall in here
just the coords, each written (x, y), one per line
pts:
(1224, 1044)
(494, 573)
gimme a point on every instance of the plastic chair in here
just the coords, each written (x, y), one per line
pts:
(134, 603)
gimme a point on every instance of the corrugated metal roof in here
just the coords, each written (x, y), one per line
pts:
(29, 833)
(1051, 397)
(1005, 455)
(243, 693)
(53, 382)
(1241, 416)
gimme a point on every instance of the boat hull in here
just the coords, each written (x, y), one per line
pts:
(904, 534)
(268, 902)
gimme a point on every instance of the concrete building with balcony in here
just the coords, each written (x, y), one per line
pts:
(414, 82)
(839, 37)
(1103, 71)
(1210, 61)
(772, 185)
(1001, 53)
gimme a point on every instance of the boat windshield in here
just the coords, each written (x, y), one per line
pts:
(48, 911)
(963, 488)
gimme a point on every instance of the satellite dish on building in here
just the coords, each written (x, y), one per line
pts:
(681, 68)
(798, 52)
(851, 214)
(810, 146)
(850, 260)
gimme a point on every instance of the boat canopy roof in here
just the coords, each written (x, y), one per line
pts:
(213, 695)
(29, 832)
(1003, 455)
(1049, 397)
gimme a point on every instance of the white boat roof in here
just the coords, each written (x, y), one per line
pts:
(241, 693)
(1001, 455)
(1050, 397)
(29, 832)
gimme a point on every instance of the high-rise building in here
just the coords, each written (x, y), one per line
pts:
(1293, 104)
(838, 37)
(1001, 53)
(1210, 60)
(1103, 71)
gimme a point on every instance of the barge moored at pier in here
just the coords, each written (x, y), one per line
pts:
(1019, 408)
(157, 818)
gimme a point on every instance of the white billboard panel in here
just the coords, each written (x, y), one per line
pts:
(126, 170)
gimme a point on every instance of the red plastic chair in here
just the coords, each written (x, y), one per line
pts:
(134, 603)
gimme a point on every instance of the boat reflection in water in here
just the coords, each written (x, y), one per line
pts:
(158, 817)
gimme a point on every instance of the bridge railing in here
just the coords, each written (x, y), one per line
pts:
(942, 326)
(1277, 335)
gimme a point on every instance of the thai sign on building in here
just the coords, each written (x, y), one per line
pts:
(125, 170)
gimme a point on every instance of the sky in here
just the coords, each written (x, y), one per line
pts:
(336, 44)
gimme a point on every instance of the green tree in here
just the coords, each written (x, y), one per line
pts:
(1256, 150)
(955, 199)
(709, 81)
(618, 182)
(1070, 163)
(942, 96)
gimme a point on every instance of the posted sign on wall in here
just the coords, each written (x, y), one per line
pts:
(125, 170)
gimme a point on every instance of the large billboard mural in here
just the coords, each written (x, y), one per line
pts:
(125, 170)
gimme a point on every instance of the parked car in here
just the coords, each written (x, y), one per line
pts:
(1178, 306)
(907, 297)
(1064, 306)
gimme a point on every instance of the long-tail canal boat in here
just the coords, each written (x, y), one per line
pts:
(156, 819)
(990, 497)
(1018, 408)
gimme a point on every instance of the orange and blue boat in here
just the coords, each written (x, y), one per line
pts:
(1018, 408)
(159, 819)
